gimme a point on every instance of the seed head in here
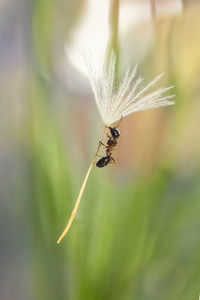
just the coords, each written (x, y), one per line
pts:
(128, 97)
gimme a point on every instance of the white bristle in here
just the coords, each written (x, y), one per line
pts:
(128, 98)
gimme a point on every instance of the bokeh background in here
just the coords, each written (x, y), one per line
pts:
(137, 231)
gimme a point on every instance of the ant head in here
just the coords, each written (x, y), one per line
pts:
(114, 132)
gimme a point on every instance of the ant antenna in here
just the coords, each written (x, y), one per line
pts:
(119, 122)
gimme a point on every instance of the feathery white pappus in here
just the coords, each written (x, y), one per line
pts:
(115, 102)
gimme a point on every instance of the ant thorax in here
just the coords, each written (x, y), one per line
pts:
(112, 142)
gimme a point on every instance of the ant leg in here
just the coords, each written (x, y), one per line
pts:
(109, 150)
(112, 161)
(109, 136)
(102, 144)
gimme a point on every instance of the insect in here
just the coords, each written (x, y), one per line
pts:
(111, 143)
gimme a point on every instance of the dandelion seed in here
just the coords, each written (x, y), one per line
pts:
(130, 96)
(113, 105)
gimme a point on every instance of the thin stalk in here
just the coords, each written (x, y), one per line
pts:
(74, 211)
(113, 43)
(153, 9)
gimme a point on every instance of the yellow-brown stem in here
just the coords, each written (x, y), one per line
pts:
(73, 214)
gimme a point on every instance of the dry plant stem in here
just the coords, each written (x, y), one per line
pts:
(73, 214)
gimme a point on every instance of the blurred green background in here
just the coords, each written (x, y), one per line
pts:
(137, 231)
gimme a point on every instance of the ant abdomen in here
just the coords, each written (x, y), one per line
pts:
(102, 162)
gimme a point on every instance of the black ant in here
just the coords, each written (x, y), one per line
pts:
(111, 143)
